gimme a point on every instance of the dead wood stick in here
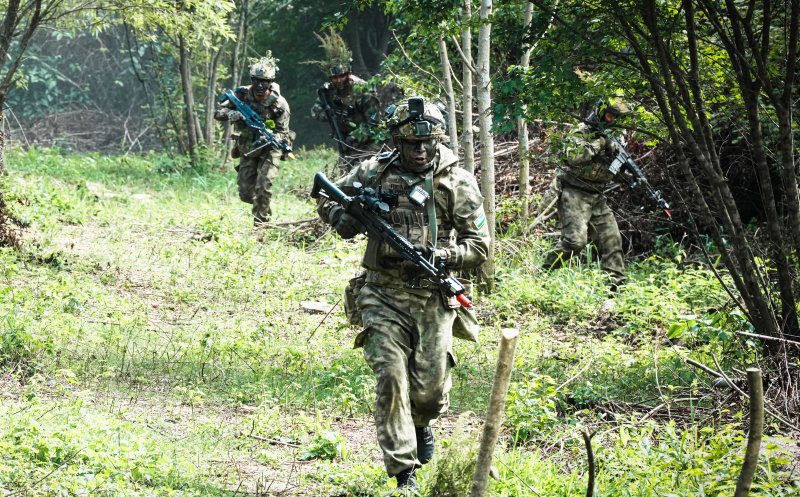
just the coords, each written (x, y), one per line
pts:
(587, 440)
(289, 223)
(494, 414)
(750, 463)
(273, 441)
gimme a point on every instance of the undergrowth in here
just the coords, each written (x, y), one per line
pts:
(153, 344)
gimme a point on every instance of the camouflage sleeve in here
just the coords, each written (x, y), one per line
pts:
(221, 112)
(369, 106)
(282, 121)
(580, 148)
(327, 208)
(469, 220)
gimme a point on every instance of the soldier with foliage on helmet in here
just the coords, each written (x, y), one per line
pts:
(257, 168)
(582, 175)
(408, 323)
(347, 103)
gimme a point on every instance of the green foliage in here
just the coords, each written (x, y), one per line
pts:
(149, 292)
(452, 469)
(67, 449)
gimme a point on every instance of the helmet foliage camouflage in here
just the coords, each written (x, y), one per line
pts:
(264, 68)
(614, 106)
(338, 58)
(415, 119)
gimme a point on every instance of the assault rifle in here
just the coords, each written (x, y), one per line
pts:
(322, 93)
(366, 207)
(623, 166)
(266, 138)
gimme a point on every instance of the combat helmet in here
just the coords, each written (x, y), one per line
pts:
(415, 119)
(613, 105)
(337, 67)
(264, 68)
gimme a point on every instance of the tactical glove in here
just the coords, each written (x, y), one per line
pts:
(346, 225)
(235, 115)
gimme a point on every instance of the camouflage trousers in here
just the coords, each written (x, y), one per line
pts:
(407, 342)
(584, 216)
(255, 177)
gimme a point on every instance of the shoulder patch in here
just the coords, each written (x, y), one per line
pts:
(479, 221)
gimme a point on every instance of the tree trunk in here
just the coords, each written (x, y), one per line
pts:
(235, 69)
(211, 93)
(447, 77)
(188, 100)
(487, 143)
(3, 170)
(522, 130)
(467, 136)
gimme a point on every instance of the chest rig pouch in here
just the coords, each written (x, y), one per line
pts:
(413, 216)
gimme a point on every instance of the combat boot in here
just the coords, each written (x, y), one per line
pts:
(425, 441)
(406, 483)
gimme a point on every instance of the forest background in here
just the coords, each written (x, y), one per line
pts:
(107, 128)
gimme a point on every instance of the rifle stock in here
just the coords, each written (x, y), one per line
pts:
(366, 207)
(266, 138)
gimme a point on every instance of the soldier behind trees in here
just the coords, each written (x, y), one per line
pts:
(348, 105)
(257, 169)
(581, 177)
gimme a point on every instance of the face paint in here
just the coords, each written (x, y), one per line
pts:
(261, 88)
(339, 82)
(415, 155)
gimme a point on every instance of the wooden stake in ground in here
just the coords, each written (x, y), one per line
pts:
(750, 463)
(494, 415)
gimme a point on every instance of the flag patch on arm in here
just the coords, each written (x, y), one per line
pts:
(480, 221)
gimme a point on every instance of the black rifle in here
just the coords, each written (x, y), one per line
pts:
(266, 138)
(322, 93)
(366, 207)
(623, 166)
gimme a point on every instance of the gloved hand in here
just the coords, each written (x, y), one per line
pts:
(346, 225)
(612, 146)
(235, 115)
(437, 257)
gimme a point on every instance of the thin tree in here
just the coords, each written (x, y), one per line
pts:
(467, 136)
(522, 128)
(484, 94)
(447, 79)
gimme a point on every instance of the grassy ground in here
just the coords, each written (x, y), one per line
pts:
(151, 343)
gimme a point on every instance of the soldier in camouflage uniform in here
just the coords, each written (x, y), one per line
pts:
(356, 112)
(408, 322)
(583, 175)
(257, 169)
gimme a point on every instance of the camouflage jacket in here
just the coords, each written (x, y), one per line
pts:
(274, 110)
(584, 159)
(460, 220)
(354, 106)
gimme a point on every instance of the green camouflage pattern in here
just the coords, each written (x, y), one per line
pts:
(357, 111)
(586, 215)
(407, 342)
(582, 208)
(408, 323)
(255, 174)
(584, 159)
(254, 180)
